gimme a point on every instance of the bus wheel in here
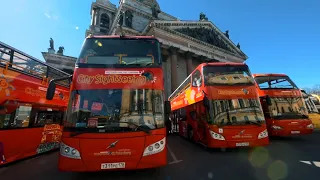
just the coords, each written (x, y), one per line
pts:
(190, 134)
(223, 149)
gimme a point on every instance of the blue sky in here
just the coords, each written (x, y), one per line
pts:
(279, 36)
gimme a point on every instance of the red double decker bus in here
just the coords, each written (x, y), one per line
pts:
(283, 105)
(29, 124)
(218, 106)
(116, 113)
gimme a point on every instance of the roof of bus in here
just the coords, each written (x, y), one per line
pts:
(266, 75)
(219, 64)
(122, 37)
(222, 64)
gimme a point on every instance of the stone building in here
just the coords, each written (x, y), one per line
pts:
(185, 44)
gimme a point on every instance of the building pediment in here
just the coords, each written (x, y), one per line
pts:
(203, 32)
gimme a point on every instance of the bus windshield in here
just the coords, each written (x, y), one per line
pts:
(110, 110)
(106, 51)
(275, 82)
(287, 108)
(227, 75)
(236, 112)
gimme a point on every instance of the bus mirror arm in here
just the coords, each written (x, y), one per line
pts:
(268, 100)
(52, 87)
(205, 101)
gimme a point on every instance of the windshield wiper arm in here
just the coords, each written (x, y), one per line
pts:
(138, 126)
(254, 122)
(73, 134)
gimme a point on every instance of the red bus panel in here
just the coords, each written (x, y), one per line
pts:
(218, 106)
(286, 114)
(29, 124)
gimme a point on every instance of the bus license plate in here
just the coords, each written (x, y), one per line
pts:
(242, 144)
(295, 132)
(113, 165)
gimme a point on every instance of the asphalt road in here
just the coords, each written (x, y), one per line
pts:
(286, 158)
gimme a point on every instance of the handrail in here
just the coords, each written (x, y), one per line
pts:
(30, 57)
(46, 73)
(177, 90)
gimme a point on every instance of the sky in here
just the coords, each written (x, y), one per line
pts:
(278, 36)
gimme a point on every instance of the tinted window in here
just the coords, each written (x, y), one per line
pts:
(120, 51)
(275, 82)
(227, 75)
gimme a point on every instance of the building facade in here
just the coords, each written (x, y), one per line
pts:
(185, 44)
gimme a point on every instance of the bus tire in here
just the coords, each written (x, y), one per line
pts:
(223, 149)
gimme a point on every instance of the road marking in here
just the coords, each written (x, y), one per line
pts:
(175, 160)
(306, 162)
(315, 163)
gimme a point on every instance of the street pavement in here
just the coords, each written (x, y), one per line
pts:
(285, 158)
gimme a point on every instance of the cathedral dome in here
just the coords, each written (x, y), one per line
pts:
(150, 3)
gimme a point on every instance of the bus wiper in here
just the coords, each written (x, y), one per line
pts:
(254, 122)
(73, 134)
(147, 131)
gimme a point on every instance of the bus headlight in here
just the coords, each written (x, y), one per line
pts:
(155, 147)
(69, 152)
(263, 134)
(310, 126)
(216, 136)
(276, 127)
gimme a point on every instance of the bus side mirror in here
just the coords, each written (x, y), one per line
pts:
(268, 99)
(51, 90)
(205, 101)
(167, 107)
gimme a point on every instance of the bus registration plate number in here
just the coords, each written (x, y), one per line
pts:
(295, 132)
(118, 165)
(242, 144)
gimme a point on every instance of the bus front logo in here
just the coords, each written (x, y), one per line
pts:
(241, 132)
(245, 91)
(113, 144)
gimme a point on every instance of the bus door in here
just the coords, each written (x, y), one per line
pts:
(201, 124)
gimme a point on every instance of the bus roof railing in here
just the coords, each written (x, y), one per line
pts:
(14, 59)
(178, 89)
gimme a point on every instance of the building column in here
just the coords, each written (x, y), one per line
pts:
(189, 63)
(98, 18)
(93, 12)
(174, 73)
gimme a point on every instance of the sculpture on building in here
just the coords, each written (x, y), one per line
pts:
(128, 19)
(206, 35)
(51, 44)
(227, 34)
(155, 11)
(203, 17)
(238, 45)
(61, 49)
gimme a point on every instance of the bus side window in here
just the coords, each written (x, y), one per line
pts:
(193, 115)
(6, 117)
(183, 114)
(196, 79)
(20, 117)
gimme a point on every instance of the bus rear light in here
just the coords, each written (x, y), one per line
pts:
(217, 136)
(310, 126)
(155, 147)
(276, 127)
(69, 152)
(263, 134)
